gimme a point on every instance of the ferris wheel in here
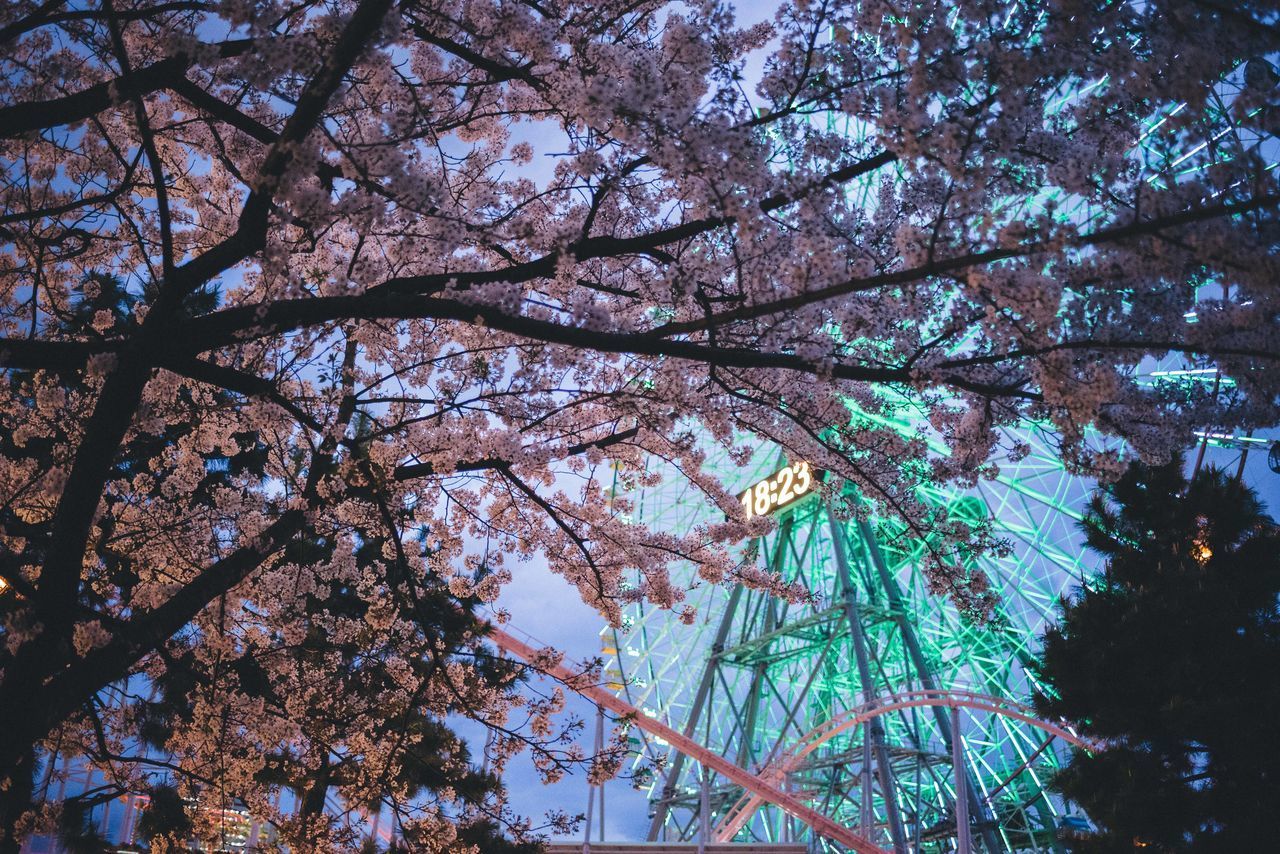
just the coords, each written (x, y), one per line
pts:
(783, 690)
(876, 703)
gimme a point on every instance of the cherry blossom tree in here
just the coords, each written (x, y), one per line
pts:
(318, 318)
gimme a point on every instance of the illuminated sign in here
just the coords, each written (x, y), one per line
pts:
(778, 490)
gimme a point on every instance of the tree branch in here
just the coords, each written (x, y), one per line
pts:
(29, 116)
(250, 234)
(44, 16)
(977, 259)
(224, 327)
(410, 471)
(32, 354)
(606, 246)
(242, 383)
(222, 111)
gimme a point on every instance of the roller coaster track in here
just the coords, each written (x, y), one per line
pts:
(764, 786)
(775, 773)
(766, 792)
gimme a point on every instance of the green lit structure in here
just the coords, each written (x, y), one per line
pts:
(754, 675)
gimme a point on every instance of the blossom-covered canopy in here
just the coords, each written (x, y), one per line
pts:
(373, 300)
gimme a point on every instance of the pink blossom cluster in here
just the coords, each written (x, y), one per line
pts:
(442, 287)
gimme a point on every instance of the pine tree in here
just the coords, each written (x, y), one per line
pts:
(1169, 659)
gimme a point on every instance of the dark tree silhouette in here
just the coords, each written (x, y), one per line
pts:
(1169, 658)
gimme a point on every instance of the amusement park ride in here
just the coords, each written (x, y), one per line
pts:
(872, 718)
(876, 717)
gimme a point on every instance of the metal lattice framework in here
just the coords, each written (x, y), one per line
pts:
(755, 678)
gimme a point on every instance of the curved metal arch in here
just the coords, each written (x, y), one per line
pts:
(760, 789)
(775, 772)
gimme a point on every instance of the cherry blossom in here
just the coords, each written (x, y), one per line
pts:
(320, 320)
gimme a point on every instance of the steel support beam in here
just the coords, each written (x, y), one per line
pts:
(699, 700)
(923, 668)
(888, 786)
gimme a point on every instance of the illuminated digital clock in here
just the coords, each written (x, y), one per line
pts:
(780, 489)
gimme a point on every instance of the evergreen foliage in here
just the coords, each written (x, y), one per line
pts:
(1169, 659)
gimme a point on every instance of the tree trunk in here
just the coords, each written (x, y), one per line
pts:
(16, 799)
